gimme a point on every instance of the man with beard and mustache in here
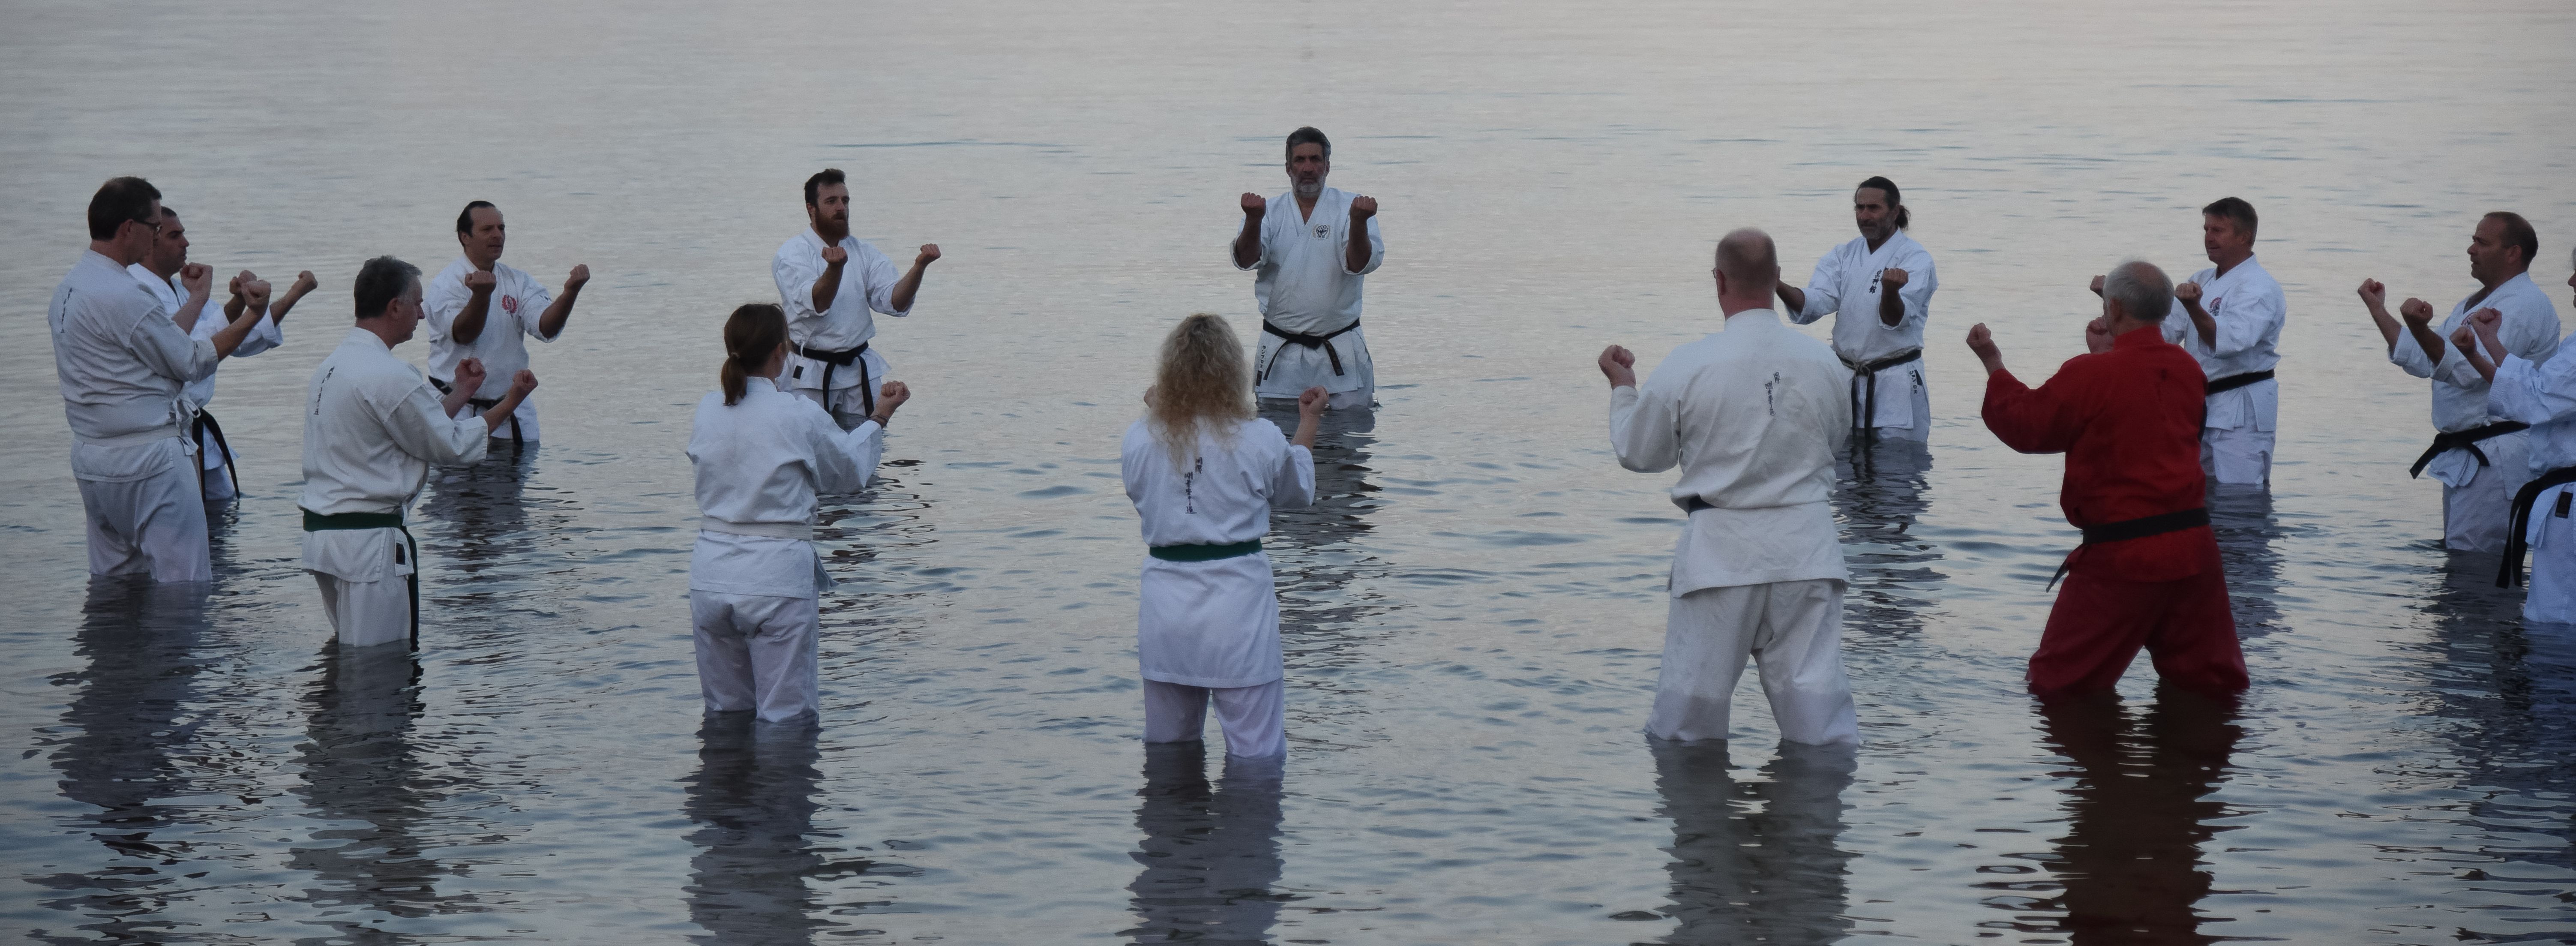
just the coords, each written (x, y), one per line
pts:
(159, 272)
(1879, 289)
(479, 309)
(828, 301)
(2481, 458)
(1311, 266)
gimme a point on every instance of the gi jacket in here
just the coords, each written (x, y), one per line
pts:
(2128, 421)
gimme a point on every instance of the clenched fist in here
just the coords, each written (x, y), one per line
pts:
(929, 254)
(1619, 365)
(2097, 335)
(835, 255)
(1312, 402)
(2464, 338)
(1254, 205)
(197, 278)
(523, 383)
(580, 275)
(2373, 294)
(469, 375)
(255, 292)
(2417, 312)
(2188, 293)
(480, 282)
(304, 283)
(892, 395)
(2097, 285)
(1892, 278)
(1363, 208)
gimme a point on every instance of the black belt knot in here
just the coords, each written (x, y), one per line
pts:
(2518, 522)
(1287, 338)
(2464, 440)
(1864, 390)
(836, 359)
(2137, 528)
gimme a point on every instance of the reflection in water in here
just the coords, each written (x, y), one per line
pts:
(2131, 864)
(1211, 858)
(364, 778)
(876, 544)
(139, 639)
(2508, 691)
(1328, 575)
(1878, 494)
(484, 502)
(753, 803)
(1757, 862)
(2242, 518)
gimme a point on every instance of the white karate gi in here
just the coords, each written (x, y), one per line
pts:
(1754, 416)
(121, 364)
(1209, 630)
(1306, 287)
(2544, 395)
(213, 456)
(1846, 282)
(372, 427)
(867, 286)
(2236, 439)
(510, 318)
(2474, 494)
(755, 583)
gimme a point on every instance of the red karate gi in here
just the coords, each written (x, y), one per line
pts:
(2128, 421)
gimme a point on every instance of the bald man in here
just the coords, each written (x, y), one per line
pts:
(1754, 416)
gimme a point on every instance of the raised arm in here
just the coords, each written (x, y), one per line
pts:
(845, 461)
(1644, 432)
(551, 323)
(1247, 239)
(2247, 323)
(197, 280)
(1363, 248)
(1905, 295)
(468, 322)
(899, 301)
(2026, 420)
(1292, 485)
(1818, 300)
(419, 425)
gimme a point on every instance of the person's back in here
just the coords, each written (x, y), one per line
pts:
(1227, 491)
(1781, 454)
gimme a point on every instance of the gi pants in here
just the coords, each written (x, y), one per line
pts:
(1254, 718)
(1910, 377)
(2237, 457)
(1792, 628)
(367, 613)
(758, 652)
(525, 415)
(155, 525)
(2552, 590)
(1361, 397)
(848, 406)
(2099, 623)
(2473, 516)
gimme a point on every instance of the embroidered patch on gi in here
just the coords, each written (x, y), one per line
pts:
(510, 304)
(1323, 230)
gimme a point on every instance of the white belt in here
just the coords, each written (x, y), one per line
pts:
(765, 530)
(128, 440)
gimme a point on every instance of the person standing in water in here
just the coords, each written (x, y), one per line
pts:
(1879, 289)
(1311, 264)
(1204, 473)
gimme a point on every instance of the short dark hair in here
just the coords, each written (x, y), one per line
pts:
(465, 217)
(380, 281)
(2234, 210)
(814, 185)
(2517, 232)
(1308, 136)
(1895, 198)
(117, 201)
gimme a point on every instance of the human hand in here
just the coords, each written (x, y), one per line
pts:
(2417, 312)
(2373, 294)
(304, 283)
(2097, 335)
(480, 282)
(255, 292)
(929, 254)
(1254, 205)
(1619, 365)
(197, 279)
(1892, 278)
(523, 383)
(891, 395)
(580, 277)
(2187, 293)
(2097, 285)
(1982, 342)
(1363, 208)
(469, 375)
(1311, 404)
(2467, 339)
(835, 255)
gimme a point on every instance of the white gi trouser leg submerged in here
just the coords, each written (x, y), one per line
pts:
(1793, 628)
(365, 575)
(1254, 718)
(152, 523)
(2239, 456)
(2474, 516)
(367, 613)
(758, 652)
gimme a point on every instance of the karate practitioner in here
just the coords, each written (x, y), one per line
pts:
(1308, 290)
(1879, 289)
(1754, 416)
(2542, 394)
(2480, 458)
(159, 272)
(1204, 472)
(828, 301)
(483, 309)
(373, 425)
(762, 454)
(2127, 416)
(122, 363)
(2236, 338)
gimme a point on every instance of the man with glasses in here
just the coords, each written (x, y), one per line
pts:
(122, 362)
(161, 271)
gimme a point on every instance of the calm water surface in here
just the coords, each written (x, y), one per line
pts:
(1474, 609)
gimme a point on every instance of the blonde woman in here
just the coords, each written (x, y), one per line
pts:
(1204, 473)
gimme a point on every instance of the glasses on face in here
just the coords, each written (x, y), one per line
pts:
(155, 224)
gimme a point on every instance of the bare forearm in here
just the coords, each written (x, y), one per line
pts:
(455, 400)
(230, 336)
(1356, 258)
(2387, 327)
(1796, 299)
(1307, 425)
(2202, 322)
(551, 324)
(500, 413)
(2425, 339)
(278, 311)
(188, 312)
(1891, 307)
(1247, 244)
(906, 288)
(469, 323)
(826, 287)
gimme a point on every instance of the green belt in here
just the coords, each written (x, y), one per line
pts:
(317, 522)
(1203, 553)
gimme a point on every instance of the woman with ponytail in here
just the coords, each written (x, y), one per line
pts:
(1204, 473)
(755, 584)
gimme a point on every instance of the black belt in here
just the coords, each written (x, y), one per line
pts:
(1287, 338)
(2518, 523)
(835, 359)
(198, 427)
(2137, 528)
(2464, 440)
(2234, 381)
(1865, 378)
(482, 404)
(319, 522)
(1203, 553)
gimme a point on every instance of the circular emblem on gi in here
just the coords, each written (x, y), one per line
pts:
(510, 304)
(1323, 230)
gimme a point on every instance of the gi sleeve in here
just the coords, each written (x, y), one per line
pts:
(2247, 323)
(2530, 330)
(418, 424)
(881, 278)
(2533, 392)
(170, 353)
(1377, 248)
(2041, 421)
(795, 276)
(1643, 430)
(1292, 485)
(844, 462)
(264, 336)
(532, 310)
(443, 302)
(1823, 289)
(1261, 256)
